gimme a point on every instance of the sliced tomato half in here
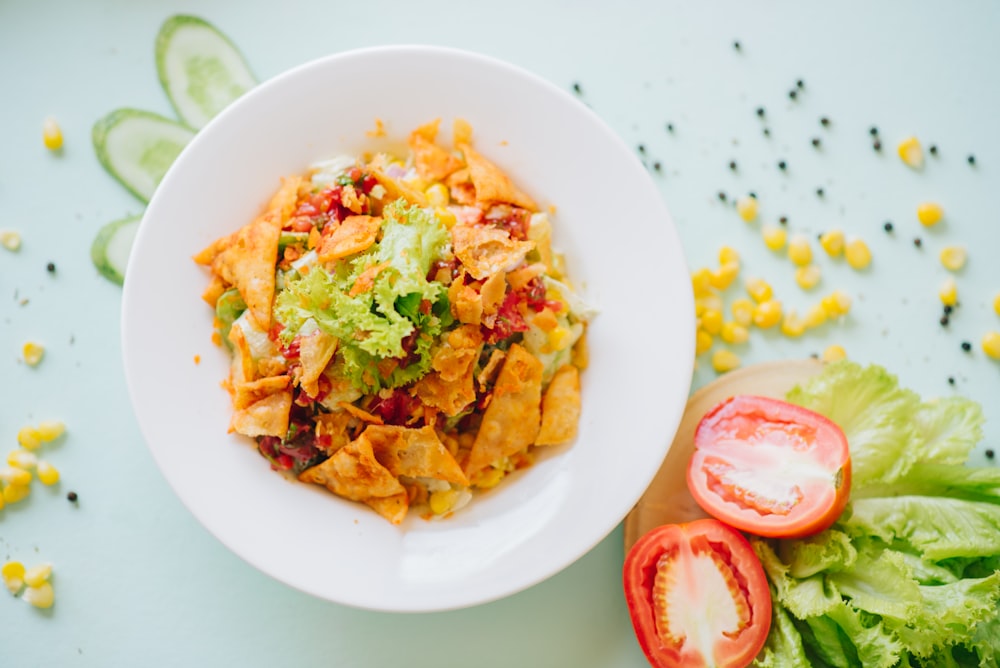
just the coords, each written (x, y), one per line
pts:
(697, 595)
(769, 467)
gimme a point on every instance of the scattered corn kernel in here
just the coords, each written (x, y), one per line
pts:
(799, 250)
(52, 134)
(13, 475)
(948, 292)
(491, 477)
(767, 313)
(33, 353)
(711, 321)
(725, 360)
(911, 153)
(42, 596)
(792, 325)
(807, 277)
(50, 430)
(47, 473)
(11, 240)
(437, 195)
(22, 459)
(37, 575)
(742, 310)
(728, 254)
(747, 208)
(447, 218)
(12, 573)
(702, 342)
(29, 438)
(953, 257)
(834, 353)
(734, 332)
(15, 493)
(857, 254)
(775, 237)
(996, 304)
(836, 304)
(832, 242)
(724, 276)
(560, 338)
(815, 316)
(443, 500)
(701, 281)
(759, 289)
(929, 214)
(711, 302)
(991, 344)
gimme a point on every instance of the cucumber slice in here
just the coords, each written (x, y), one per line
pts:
(137, 147)
(112, 246)
(200, 69)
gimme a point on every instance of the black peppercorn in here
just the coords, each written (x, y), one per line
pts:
(966, 346)
(760, 111)
(918, 242)
(816, 142)
(989, 454)
(51, 267)
(873, 131)
(782, 165)
(732, 165)
(933, 149)
(783, 220)
(887, 226)
(819, 192)
(877, 145)
(722, 196)
(824, 121)
(737, 45)
(72, 497)
(951, 380)
(792, 94)
(971, 159)
(577, 88)
(944, 321)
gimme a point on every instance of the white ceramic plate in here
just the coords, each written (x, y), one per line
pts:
(622, 250)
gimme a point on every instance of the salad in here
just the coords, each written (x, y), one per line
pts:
(402, 331)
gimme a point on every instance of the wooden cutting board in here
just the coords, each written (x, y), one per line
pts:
(666, 500)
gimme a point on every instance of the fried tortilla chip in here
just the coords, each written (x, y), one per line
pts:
(449, 387)
(397, 189)
(315, 352)
(489, 373)
(486, 250)
(491, 183)
(461, 132)
(242, 369)
(466, 302)
(266, 417)
(214, 290)
(334, 426)
(512, 419)
(355, 234)
(560, 408)
(461, 189)
(417, 453)
(433, 163)
(282, 204)
(392, 508)
(248, 393)
(360, 413)
(491, 294)
(248, 263)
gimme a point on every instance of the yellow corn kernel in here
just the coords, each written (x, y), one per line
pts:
(948, 292)
(815, 316)
(12, 573)
(724, 276)
(15, 493)
(747, 208)
(29, 438)
(996, 304)
(834, 353)
(792, 325)
(728, 254)
(50, 430)
(701, 281)
(857, 254)
(807, 277)
(416, 183)
(13, 475)
(22, 459)
(47, 473)
(711, 321)
(734, 332)
(725, 360)
(799, 250)
(52, 134)
(836, 304)
(702, 342)
(443, 500)
(560, 338)
(832, 242)
(711, 302)
(42, 596)
(953, 257)
(437, 195)
(929, 214)
(767, 314)
(991, 344)
(742, 310)
(759, 289)
(489, 478)
(37, 575)
(446, 217)
(775, 237)
(11, 240)
(911, 153)
(33, 353)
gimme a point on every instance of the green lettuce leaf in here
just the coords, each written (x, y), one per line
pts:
(828, 550)
(948, 429)
(783, 648)
(881, 583)
(874, 645)
(803, 597)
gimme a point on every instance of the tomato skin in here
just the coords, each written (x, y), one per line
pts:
(780, 445)
(665, 547)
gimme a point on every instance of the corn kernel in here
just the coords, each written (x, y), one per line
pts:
(759, 289)
(832, 242)
(416, 183)
(29, 438)
(742, 310)
(724, 276)
(13, 475)
(702, 342)
(443, 500)
(792, 325)
(15, 493)
(747, 208)
(767, 314)
(711, 321)
(834, 353)
(948, 292)
(991, 344)
(728, 254)
(12, 573)
(734, 332)
(996, 304)
(725, 360)
(42, 596)
(929, 214)
(489, 478)
(857, 254)
(37, 575)
(953, 257)
(11, 240)
(807, 277)
(701, 281)
(836, 304)
(815, 316)
(22, 459)
(911, 153)
(799, 250)
(47, 473)
(50, 430)
(52, 134)
(775, 237)
(447, 218)
(560, 338)
(33, 353)
(711, 302)
(437, 195)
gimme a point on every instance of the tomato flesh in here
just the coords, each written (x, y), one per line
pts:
(769, 467)
(697, 595)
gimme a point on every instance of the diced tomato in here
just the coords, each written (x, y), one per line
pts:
(396, 409)
(697, 595)
(509, 319)
(770, 467)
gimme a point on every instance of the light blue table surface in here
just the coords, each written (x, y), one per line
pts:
(139, 583)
